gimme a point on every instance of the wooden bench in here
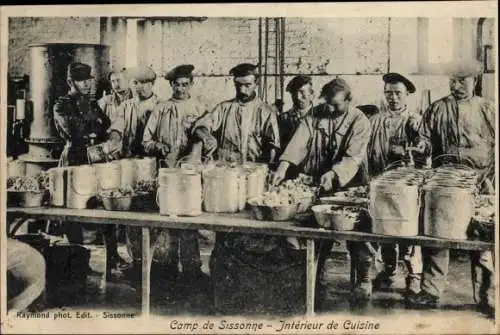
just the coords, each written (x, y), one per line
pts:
(238, 222)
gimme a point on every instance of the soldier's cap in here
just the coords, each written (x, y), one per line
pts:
(244, 69)
(297, 82)
(181, 71)
(464, 68)
(334, 86)
(143, 74)
(79, 72)
(393, 77)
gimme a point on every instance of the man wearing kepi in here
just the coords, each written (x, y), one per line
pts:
(330, 145)
(167, 135)
(460, 126)
(80, 123)
(393, 131)
(245, 129)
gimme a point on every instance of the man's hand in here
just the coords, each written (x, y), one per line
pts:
(397, 150)
(209, 142)
(419, 148)
(280, 173)
(162, 149)
(327, 179)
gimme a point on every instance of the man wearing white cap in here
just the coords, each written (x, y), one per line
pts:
(127, 130)
(125, 140)
(167, 136)
(459, 128)
(393, 131)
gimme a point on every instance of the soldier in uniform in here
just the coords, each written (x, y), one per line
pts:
(78, 119)
(81, 123)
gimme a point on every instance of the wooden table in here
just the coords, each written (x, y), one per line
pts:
(238, 222)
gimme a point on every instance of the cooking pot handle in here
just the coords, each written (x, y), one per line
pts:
(470, 166)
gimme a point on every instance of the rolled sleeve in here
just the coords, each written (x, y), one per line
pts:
(355, 152)
(271, 133)
(211, 120)
(118, 124)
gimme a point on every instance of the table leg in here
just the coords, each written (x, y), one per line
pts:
(311, 276)
(146, 267)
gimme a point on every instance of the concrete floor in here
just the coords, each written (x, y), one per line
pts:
(174, 299)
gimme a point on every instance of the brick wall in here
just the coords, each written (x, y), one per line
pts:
(359, 49)
(27, 30)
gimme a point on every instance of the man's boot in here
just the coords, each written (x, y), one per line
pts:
(384, 280)
(412, 286)
(363, 287)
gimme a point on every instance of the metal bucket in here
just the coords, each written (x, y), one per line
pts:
(127, 172)
(145, 169)
(108, 175)
(82, 186)
(221, 190)
(447, 210)
(394, 208)
(57, 186)
(179, 192)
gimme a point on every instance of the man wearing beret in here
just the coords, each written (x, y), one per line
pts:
(237, 130)
(80, 123)
(459, 128)
(330, 145)
(394, 129)
(119, 93)
(167, 136)
(301, 91)
(244, 128)
(125, 140)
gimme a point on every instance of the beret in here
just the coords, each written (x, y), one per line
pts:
(181, 71)
(464, 67)
(244, 69)
(368, 110)
(393, 77)
(79, 71)
(336, 85)
(297, 82)
(142, 73)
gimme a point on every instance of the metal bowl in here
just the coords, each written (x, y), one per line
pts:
(272, 213)
(25, 199)
(122, 203)
(144, 202)
(330, 219)
(305, 203)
